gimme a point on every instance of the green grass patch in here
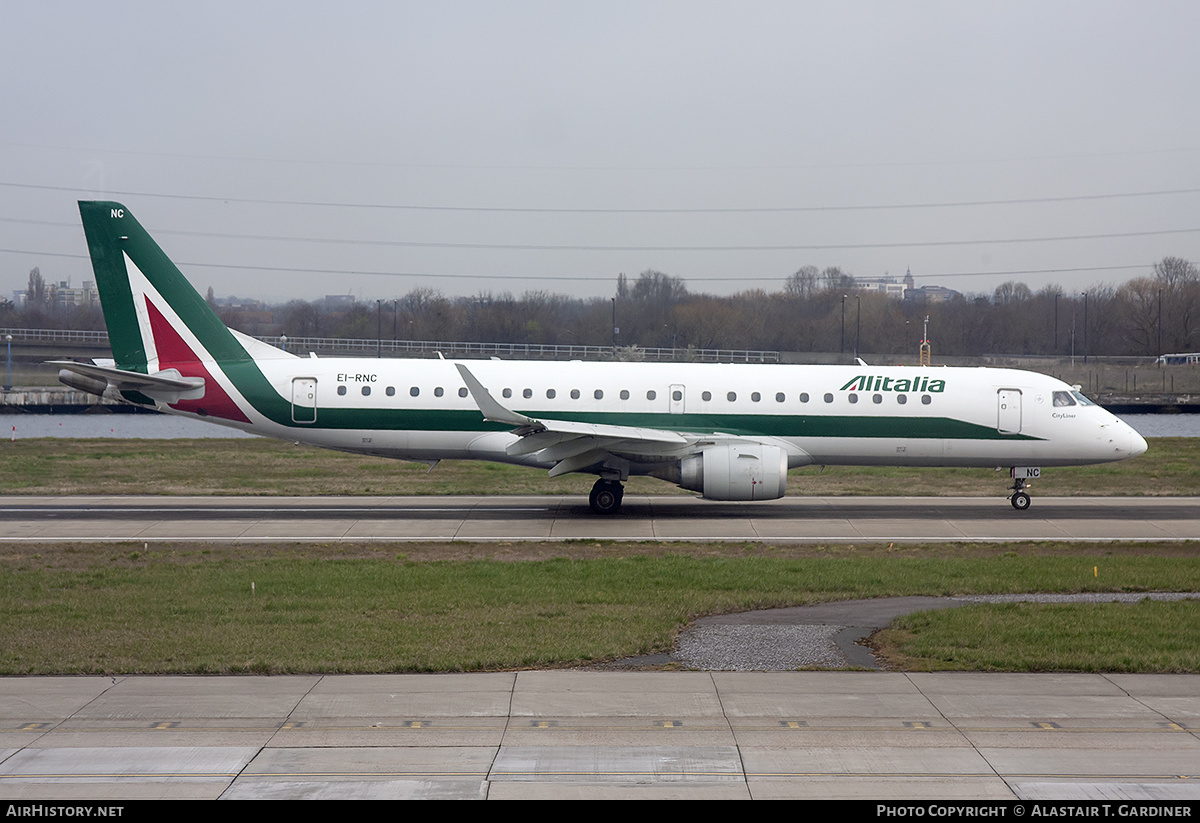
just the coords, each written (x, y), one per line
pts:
(262, 466)
(86, 609)
(1147, 636)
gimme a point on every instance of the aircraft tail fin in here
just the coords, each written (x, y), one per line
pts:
(155, 319)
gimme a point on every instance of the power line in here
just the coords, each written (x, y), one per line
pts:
(586, 279)
(883, 164)
(1021, 201)
(430, 244)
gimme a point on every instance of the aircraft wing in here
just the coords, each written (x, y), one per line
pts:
(572, 445)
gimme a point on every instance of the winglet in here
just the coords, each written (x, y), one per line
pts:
(487, 404)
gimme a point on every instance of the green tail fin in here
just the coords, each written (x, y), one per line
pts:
(132, 273)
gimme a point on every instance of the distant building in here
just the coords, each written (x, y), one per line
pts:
(62, 295)
(339, 301)
(884, 285)
(905, 289)
(926, 294)
(931, 294)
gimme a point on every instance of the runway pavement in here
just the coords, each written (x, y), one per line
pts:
(813, 519)
(566, 734)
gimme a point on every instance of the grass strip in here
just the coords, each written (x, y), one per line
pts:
(120, 609)
(1147, 636)
(263, 466)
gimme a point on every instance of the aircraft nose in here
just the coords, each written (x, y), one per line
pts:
(1137, 443)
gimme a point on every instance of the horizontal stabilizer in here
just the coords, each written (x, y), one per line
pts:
(167, 385)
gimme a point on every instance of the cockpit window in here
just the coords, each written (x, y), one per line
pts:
(1083, 401)
(1063, 398)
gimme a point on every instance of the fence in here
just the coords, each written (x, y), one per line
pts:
(429, 348)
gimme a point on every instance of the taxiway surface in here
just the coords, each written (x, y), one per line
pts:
(810, 519)
(561, 734)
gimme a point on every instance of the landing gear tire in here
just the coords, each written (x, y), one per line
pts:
(1019, 498)
(606, 496)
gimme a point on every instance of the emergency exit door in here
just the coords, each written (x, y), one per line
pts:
(304, 400)
(1008, 402)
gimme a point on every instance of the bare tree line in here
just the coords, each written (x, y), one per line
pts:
(816, 310)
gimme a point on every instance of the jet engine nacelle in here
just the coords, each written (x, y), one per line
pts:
(82, 382)
(750, 471)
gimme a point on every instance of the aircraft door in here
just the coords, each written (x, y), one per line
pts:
(304, 400)
(678, 398)
(1008, 402)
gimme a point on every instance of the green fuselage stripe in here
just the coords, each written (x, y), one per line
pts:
(748, 425)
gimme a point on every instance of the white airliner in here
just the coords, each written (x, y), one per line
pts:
(730, 432)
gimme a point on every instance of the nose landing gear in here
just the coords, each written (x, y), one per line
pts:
(1019, 498)
(1021, 476)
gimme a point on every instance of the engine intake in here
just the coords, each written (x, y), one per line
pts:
(750, 471)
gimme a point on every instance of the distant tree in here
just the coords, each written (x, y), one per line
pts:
(834, 279)
(35, 293)
(655, 287)
(1011, 292)
(803, 283)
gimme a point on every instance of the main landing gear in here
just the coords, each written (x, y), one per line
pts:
(606, 496)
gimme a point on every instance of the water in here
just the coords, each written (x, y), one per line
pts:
(154, 426)
(162, 426)
(1164, 425)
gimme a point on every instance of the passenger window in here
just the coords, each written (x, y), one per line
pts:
(528, 393)
(804, 397)
(707, 395)
(438, 392)
(902, 399)
(853, 398)
(926, 400)
(828, 398)
(414, 391)
(731, 396)
(390, 391)
(507, 392)
(598, 394)
(779, 397)
(677, 395)
(650, 395)
(551, 394)
(574, 394)
(366, 390)
(624, 394)
(755, 397)
(462, 392)
(341, 389)
(877, 398)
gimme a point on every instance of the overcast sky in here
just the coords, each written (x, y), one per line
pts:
(292, 149)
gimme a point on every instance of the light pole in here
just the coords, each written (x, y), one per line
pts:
(379, 328)
(1056, 323)
(615, 329)
(1160, 351)
(1085, 329)
(842, 347)
(858, 323)
(8, 366)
